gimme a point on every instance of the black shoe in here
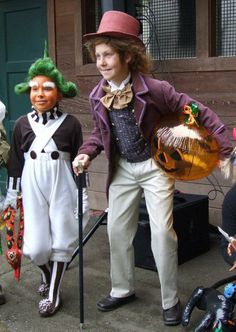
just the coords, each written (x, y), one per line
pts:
(110, 303)
(172, 316)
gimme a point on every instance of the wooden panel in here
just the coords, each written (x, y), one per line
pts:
(203, 82)
(65, 34)
(65, 7)
(215, 196)
(78, 36)
(202, 31)
(65, 20)
(97, 200)
(216, 177)
(51, 29)
(75, 106)
(97, 181)
(98, 173)
(88, 83)
(99, 164)
(196, 65)
(215, 216)
(66, 62)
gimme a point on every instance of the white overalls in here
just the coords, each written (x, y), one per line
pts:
(49, 198)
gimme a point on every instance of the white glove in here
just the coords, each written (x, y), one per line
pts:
(11, 199)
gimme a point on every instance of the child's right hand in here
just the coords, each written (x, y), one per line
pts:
(80, 161)
(2, 111)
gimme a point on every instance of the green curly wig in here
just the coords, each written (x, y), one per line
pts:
(45, 67)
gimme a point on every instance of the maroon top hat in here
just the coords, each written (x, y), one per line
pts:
(117, 24)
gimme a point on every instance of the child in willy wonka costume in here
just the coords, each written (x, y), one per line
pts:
(44, 143)
(126, 105)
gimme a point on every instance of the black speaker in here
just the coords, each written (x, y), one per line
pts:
(191, 223)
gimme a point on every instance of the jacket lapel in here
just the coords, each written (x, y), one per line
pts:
(140, 89)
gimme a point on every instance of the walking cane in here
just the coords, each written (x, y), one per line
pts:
(79, 183)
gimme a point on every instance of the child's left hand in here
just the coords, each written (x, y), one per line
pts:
(233, 266)
(231, 247)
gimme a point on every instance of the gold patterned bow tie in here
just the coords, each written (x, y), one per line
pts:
(119, 99)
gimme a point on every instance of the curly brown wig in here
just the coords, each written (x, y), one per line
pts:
(140, 60)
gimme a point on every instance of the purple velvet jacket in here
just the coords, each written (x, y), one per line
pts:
(152, 100)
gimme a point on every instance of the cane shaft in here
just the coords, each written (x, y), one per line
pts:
(80, 218)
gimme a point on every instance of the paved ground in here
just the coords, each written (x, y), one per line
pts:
(144, 315)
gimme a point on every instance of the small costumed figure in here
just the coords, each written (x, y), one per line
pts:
(44, 143)
(4, 154)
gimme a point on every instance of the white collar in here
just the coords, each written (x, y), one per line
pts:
(115, 87)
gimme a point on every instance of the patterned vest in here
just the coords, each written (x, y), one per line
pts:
(130, 143)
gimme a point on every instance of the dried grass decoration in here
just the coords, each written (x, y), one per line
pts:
(182, 147)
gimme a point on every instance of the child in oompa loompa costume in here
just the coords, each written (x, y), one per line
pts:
(4, 154)
(44, 143)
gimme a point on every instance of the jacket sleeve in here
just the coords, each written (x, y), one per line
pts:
(207, 117)
(94, 144)
(76, 136)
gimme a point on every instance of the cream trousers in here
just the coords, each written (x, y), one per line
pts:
(129, 182)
